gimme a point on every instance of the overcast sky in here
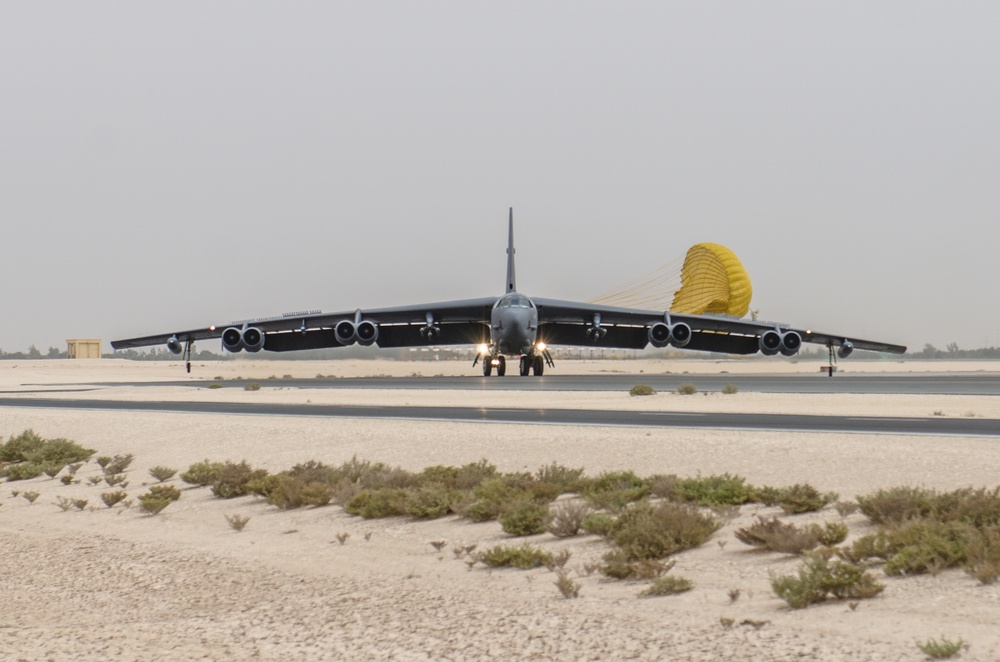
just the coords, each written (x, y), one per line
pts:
(171, 165)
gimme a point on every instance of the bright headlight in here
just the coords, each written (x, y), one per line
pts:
(540, 346)
(483, 349)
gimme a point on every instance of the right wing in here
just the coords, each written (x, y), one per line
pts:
(444, 323)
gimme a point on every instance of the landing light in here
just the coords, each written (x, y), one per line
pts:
(495, 362)
(540, 346)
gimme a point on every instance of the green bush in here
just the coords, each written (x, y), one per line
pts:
(23, 471)
(642, 389)
(724, 489)
(645, 531)
(31, 447)
(524, 518)
(915, 547)
(430, 501)
(599, 524)
(803, 498)
(494, 496)
(524, 557)
(374, 504)
(897, 504)
(164, 492)
(568, 480)
(118, 464)
(202, 473)
(233, 480)
(613, 490)
(153, 505)
(820, 578)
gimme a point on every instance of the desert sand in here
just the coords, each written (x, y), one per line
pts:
(116, 584)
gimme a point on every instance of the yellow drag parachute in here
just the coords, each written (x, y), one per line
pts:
(713, 280)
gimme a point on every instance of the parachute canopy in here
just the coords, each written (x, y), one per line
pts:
(713, 280)
(710, 280)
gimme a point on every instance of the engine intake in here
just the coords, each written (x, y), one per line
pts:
(174, 345)
(253, 339)
(770, 343)
(791, 343)
(366, 332)
(662, 334)
(232, 340)
(845, 349)
(346, 332)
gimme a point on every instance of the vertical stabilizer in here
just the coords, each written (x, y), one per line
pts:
(511, 286)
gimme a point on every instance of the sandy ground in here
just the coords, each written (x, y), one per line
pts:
(116, 584)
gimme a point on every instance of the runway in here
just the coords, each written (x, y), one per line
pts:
(865, 383)
(938, 426)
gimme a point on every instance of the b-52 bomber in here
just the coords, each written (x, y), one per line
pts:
(509, 326)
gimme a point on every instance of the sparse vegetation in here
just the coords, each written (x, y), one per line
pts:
(568, 587)
(525, 518)
(237, 522)
(251, 386)
(31, 496)
(112, 498)
(162, 474)
(821, 577)
(730, 389)
(642, 389)
(777, 536)
(941, 650)
(524, 557)
(669, 585)
(687, 389)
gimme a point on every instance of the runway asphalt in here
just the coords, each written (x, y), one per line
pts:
(895, 383)
(964, 427)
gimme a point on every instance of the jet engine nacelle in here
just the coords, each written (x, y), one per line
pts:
(662, 334)
(253, 339)
(345, 332)
(232, 340)
(174, 345)
(366, 332)
(773, 342)
(845, 349)
(791, 343)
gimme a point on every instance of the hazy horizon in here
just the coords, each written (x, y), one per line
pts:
(167, 167)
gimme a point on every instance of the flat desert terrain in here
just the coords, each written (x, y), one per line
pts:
(319, 584)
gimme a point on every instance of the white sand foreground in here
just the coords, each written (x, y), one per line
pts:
(116, 584)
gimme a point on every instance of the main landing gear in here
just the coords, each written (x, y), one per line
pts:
(528, 364)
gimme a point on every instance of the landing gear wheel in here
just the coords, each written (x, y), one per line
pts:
(525, 366)
(487, 366)
(538, 366)
(502, 366)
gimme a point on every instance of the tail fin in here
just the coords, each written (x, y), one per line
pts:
(511, 286)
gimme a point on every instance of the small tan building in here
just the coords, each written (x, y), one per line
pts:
(83, 348)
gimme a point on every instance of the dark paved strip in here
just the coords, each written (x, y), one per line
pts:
(909, 383)
(939, 426)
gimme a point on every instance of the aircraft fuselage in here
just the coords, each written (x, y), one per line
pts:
(514, 325)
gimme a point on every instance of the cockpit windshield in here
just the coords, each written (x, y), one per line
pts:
(515, 301)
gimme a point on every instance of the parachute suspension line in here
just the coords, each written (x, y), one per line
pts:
(652, 290)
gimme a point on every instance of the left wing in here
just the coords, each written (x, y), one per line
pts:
(442, 323)
(570, 323)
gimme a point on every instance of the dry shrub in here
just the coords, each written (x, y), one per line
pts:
(431, 501)
(112, 498)
(202, 473)
(373, 504)
(162, 474)
(669, 585)
(164, 492)
(619, 565)
(566, 585)
(941, 650)
(599, 524)
(915, 547)
(642, 389)
(234, 480)
(613, 490)
(566, 519)
(237, 522)
(153, 505)
(495, 496)
(687, 389)
(777, 536)
(117, 464)
(983, 555)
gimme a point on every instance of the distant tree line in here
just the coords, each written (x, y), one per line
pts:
(34, 353)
